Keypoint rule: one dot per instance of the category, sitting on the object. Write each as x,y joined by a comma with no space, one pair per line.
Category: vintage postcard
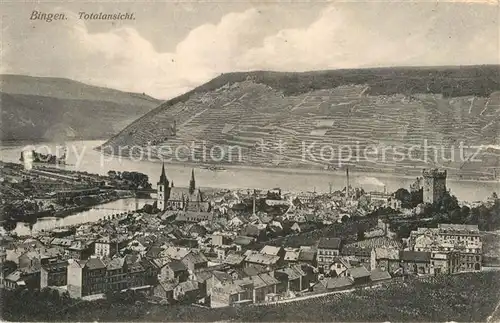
292,161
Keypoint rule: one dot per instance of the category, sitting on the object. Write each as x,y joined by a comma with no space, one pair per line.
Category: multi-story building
453,247
328,250
105,247
434,185
95,276
54,274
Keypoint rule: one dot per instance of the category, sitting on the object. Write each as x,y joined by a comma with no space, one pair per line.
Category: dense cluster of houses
169,272
217,255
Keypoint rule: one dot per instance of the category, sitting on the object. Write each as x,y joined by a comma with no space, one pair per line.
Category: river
94,214
81,156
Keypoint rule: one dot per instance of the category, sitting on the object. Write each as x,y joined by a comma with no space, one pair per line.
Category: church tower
162,190
192,183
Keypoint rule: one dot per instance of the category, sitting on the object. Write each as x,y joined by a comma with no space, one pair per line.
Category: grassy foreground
467,297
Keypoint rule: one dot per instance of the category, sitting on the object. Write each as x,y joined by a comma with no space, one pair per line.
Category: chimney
347,184
254,202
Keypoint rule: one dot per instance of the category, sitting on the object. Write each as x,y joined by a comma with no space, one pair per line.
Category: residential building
385,259
105,247
359,275
328,249
95,276
263,261
415,262
195,260
174,271
54,274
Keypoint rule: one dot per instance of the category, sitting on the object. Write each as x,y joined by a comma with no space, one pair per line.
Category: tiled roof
378,274
416,256
234,259
359,272
259,258
292,255
188,286
338,282
270,250
177,265
329,243
307,255
376,242
195,257
95,263
115,263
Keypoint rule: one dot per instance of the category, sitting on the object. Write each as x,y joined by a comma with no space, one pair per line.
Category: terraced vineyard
375,122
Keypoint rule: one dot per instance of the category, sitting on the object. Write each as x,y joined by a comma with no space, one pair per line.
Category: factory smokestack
347,184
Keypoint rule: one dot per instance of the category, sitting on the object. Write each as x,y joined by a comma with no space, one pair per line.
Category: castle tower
434,185
162,190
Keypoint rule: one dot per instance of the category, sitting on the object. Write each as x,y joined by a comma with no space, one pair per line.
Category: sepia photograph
250,161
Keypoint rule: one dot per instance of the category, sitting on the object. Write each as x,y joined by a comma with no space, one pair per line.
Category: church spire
192,183
163,176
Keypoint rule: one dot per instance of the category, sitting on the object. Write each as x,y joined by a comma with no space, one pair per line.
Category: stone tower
434,185
162,190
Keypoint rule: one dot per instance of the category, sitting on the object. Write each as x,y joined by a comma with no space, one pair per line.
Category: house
23,278
86,277
174,270
80,250
194,217
328,249
273,251
291,279
243,241
415,262
361,253
164,290
188,290
307,256
339,266
386,259
62,242
195,260
234,259
291,256
359,275
263,285
29,259
260,260
54,274
116,269
333,284
230,293
378,275
221,240
105,247
174,252
257,231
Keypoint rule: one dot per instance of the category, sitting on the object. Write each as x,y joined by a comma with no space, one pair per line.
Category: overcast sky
172,47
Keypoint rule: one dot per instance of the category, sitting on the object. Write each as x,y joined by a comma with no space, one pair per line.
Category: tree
404,196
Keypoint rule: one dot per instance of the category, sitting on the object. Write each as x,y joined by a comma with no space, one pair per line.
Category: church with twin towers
174,198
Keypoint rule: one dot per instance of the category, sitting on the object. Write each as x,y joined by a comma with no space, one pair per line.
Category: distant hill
46,108
359,108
